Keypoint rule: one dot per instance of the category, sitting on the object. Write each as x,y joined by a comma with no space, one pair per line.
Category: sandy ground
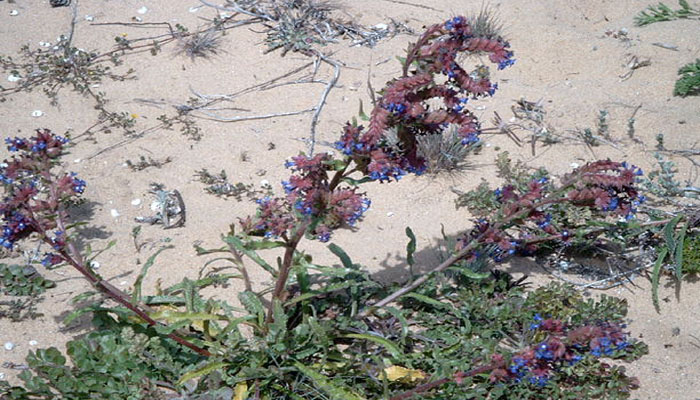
563,57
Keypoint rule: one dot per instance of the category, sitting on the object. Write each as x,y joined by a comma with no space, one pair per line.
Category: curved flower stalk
36,203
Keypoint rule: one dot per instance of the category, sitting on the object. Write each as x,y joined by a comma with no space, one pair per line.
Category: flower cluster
33,194
562,346
310,198
405,105
530,215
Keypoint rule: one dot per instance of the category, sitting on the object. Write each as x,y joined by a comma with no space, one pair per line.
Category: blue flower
493,88
78,185
540,381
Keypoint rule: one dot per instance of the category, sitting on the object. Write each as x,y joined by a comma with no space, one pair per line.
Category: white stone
142,10
89,18
37,113
390,214
33,342
77,160
9,346
573,165
381,27
14,13
14,78
136,202
114,213
264,183
2,375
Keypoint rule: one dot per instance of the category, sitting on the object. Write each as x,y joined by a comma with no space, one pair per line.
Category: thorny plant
546,355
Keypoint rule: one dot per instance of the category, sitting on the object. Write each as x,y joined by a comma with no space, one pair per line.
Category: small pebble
136,202
194,9
37,113
94,264
390,214
138,19
89,18
142,10
45,44
381,27
2,375
9,346
123,283
573,165
14,13
77,160
480,108
33,342
14,78
264,183
114,213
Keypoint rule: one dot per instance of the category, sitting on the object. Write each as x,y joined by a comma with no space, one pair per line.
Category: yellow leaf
398,373
240,391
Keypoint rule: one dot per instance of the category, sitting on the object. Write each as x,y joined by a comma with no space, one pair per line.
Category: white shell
14,78
136,202
89,18
14,12
114,213
142,10
390,214
33,342
37,113
194,9
94,264
574,165
264,183
9,346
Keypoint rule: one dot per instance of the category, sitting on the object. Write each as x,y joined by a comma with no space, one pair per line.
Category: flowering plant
320,335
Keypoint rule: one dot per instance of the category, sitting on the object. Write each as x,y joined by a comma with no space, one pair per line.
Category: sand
564,57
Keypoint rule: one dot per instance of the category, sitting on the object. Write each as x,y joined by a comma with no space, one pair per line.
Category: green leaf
173,316
680,244
362,114
238,244
410,247
427,300
204,370
341,254
252,304
656,272
669,230
335,391
387,344
279,326
136,296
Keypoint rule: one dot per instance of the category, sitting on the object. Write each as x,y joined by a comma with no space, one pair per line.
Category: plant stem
72,256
